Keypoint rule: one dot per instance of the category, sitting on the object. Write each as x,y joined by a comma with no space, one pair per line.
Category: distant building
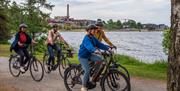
151,26
77,23
163,26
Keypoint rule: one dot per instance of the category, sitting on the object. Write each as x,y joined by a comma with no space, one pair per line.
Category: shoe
83,89
48,67
53,67
91,85
22,69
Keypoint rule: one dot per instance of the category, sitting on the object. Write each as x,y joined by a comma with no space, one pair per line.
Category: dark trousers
51,53
23,53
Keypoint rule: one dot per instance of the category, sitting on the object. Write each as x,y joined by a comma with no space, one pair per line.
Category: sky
144,11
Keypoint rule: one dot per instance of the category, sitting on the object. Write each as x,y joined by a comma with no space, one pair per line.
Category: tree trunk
173,74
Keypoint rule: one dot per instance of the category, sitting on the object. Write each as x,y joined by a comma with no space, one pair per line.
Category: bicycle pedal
23,72
53,68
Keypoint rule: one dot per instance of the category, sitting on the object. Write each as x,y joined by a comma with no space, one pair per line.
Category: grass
155,70
4,50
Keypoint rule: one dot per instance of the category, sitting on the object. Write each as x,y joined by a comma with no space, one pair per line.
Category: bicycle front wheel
14,66
124,70
73,78
36,70
115,81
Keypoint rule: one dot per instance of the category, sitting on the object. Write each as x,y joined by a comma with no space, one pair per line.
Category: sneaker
91,85
48,67
22,69
83,89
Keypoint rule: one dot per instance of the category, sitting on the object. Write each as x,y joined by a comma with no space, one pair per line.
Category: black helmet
55,26
91,26
23,25
99,23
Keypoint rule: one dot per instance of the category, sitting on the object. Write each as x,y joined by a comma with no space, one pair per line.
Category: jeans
51,53
23,53
85,65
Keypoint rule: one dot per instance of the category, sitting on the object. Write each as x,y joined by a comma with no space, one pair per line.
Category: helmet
99,23
91,27
55,26
23,25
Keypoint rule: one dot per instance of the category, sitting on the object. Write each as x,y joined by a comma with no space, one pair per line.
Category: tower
67,11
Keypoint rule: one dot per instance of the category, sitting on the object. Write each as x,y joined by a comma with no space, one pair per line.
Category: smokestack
68,11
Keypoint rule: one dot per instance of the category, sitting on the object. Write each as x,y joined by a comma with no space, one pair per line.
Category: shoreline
114,30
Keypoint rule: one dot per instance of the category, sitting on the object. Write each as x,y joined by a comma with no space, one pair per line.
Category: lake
145,46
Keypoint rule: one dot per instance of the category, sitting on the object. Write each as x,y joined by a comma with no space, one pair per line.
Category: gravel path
53,82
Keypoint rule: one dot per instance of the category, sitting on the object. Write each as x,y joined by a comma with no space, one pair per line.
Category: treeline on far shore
112,25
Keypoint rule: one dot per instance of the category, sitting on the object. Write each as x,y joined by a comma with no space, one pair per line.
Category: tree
34,17
131,23
173,74
16,16
139,25
119,24
4,26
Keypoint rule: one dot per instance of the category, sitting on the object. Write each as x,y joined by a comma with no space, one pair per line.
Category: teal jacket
14,45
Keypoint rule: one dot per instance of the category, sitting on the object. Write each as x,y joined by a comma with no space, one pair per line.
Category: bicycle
35,66
109,74
62,62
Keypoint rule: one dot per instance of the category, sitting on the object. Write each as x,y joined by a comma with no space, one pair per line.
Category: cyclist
20,45
87,49
53,36
100,35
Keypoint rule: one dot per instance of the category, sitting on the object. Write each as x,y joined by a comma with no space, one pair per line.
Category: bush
41,46
166,40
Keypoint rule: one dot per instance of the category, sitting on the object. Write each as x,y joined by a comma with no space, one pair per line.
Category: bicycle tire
36,66
63,66
74,79
114,88
125,70
45,60
14,62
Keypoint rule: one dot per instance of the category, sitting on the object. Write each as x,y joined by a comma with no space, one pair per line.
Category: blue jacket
89,45
14,45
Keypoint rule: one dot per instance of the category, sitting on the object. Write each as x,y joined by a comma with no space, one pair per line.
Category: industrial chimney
68,12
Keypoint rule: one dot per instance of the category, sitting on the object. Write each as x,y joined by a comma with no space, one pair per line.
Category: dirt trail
53,82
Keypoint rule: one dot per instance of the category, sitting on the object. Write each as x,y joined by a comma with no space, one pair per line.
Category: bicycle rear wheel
36,70
73,78
64,64
14,66
45,61
115,81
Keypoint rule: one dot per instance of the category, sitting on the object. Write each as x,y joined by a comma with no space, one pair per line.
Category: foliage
4,25
110,24
166,40
41,46
29,12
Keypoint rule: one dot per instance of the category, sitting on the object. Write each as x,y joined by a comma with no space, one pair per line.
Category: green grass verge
4,50
155,70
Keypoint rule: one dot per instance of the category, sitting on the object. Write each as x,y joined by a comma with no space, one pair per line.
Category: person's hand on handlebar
113,47
111,50
97,52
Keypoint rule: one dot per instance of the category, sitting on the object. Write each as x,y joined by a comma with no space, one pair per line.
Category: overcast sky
145,11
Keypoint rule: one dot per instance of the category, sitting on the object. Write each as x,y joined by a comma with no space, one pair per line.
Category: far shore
120,30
